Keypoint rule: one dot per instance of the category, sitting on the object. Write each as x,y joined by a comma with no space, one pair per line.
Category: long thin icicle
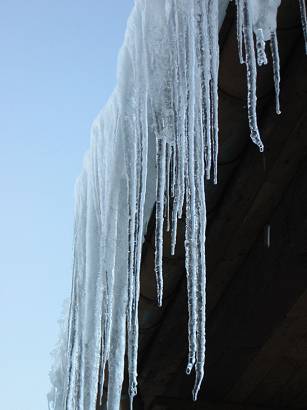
190,239
161,164
276,69
213,17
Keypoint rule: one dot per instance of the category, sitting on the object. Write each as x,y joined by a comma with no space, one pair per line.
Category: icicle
140,165
118,331
209,75
201,278
109,228
250,61
72,382
168,185
190,238
179,116
174,168
240,29
304,21
142,161
207,69
214,67
161,158
182,119
276,68
260,44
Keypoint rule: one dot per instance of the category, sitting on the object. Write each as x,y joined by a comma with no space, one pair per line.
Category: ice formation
155,142
58,372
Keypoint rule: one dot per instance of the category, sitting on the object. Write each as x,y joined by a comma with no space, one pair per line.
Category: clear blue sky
57,68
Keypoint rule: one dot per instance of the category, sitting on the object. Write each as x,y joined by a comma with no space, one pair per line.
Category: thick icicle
190,239
116,353
142,177
139,165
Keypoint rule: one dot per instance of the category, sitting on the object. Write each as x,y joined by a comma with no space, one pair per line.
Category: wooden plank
284,342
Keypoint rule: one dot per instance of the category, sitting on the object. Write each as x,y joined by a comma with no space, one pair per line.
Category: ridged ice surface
155,142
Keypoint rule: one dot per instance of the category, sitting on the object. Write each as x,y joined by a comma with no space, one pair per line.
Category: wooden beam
288,342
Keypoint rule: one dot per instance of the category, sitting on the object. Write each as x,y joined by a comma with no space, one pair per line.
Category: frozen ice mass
152,147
